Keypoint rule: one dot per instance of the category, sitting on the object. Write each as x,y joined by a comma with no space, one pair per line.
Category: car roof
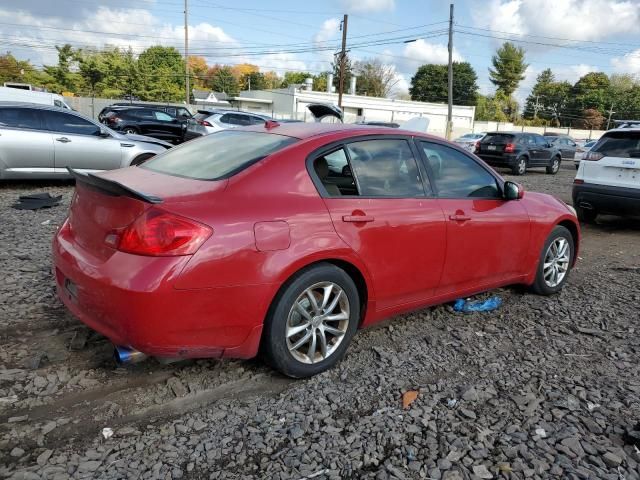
512,133
39,106
304,130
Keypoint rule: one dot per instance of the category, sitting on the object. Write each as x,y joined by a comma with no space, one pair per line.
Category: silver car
210,121
38,141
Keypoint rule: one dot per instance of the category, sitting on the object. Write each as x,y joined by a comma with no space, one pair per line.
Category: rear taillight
204,123
476,149
113,119
578,181
592,156
509,148
159,233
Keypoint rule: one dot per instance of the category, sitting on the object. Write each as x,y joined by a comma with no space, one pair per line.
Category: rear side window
20,118
163,117
385,168
458,176
619,144
219,155
499,138
142,114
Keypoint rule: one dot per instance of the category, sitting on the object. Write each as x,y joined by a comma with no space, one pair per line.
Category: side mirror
104,133
513,191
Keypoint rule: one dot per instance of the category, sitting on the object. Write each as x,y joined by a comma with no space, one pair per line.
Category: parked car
306,255
469,141
17,95
582,151
519,151
567,145
37,141
181,113
375,123
207,121
608,178
146,121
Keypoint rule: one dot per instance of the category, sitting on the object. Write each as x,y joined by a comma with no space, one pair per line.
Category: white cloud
329,30
572,73
628,63
526,85
574,19
368,6
421,52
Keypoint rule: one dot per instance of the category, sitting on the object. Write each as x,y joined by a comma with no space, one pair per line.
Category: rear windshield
219,155
201,116
497,138
619,144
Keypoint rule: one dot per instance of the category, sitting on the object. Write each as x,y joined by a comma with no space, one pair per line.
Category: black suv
179,112
565,143
519,151
146,121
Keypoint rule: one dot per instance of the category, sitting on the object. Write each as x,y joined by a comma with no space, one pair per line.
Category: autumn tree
374,78
198,70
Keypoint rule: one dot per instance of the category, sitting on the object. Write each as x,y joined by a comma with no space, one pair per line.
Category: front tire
131,131
555,166
311,322
520,168
555,262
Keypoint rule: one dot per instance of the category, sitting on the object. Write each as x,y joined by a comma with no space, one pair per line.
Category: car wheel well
141,158
573,230
347,267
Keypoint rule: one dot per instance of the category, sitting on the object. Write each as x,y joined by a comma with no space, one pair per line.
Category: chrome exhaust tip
127,355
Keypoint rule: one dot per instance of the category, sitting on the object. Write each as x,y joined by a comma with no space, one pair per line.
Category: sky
572,37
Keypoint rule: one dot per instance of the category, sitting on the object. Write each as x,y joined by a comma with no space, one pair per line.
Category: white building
291,103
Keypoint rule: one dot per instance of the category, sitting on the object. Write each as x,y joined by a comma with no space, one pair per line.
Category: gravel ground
545,387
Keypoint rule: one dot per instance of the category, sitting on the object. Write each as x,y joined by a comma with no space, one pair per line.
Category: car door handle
357,218
63,140
459,218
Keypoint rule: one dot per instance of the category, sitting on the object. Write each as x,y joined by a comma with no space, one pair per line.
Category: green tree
253,81
295,78
374,78
320,82
508,68
222,79
548,99
592,91
495,108
63,78
162,71
348,72
14,70
430,84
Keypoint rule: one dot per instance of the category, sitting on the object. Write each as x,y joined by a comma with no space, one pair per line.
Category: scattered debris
79,339
541,432
35,201
592,406
107,433
452,402
481,471
408,398
467,306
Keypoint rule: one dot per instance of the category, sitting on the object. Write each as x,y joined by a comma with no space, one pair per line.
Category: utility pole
187,90
343,56
611,112
450,95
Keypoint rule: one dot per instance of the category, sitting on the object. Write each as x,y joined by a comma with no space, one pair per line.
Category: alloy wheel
129,131
522,166
556,262
555,166
317,322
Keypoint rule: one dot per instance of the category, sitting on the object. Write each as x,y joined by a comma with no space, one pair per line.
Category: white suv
209,121
608,178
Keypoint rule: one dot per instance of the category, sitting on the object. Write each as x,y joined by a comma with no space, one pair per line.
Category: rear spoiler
112,187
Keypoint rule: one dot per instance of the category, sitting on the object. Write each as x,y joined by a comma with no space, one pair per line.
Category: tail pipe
127,355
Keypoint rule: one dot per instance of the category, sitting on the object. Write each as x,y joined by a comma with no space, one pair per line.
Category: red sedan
286,239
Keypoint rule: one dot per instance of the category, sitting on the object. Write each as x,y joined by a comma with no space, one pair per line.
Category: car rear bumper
499,160
607,199
132,301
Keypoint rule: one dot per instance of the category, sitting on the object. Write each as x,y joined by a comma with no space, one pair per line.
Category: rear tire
555,263
555,165
295,326
586,215
520,168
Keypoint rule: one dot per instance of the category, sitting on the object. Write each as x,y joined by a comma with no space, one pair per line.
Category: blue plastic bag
464,306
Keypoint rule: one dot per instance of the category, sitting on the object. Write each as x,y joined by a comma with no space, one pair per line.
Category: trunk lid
110,201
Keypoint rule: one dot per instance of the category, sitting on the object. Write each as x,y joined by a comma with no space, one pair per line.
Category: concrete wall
578,134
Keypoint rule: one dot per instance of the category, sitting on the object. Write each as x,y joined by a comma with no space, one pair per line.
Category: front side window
71,124
385,168
219,155
541,141
456,175
20,118
171,111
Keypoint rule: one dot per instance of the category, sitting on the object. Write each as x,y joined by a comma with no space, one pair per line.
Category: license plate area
491,147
